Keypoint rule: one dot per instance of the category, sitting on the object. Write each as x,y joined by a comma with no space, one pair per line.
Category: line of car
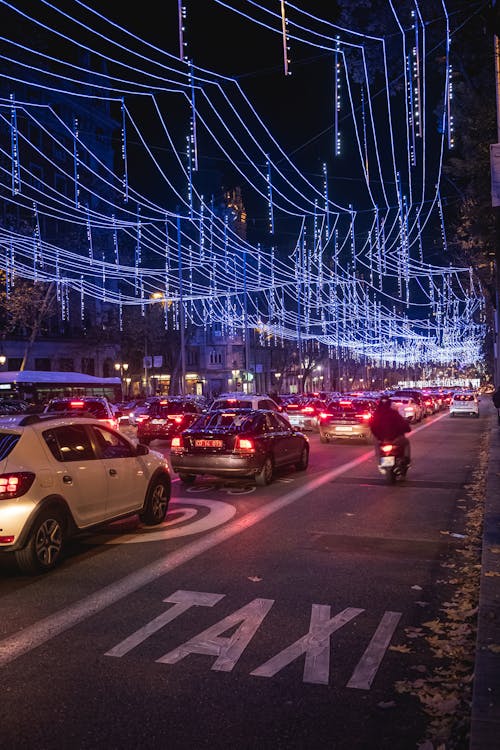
70,468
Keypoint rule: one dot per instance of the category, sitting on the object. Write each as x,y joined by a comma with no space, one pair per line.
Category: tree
27,310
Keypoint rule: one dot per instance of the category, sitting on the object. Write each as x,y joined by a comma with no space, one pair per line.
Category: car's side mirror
141,449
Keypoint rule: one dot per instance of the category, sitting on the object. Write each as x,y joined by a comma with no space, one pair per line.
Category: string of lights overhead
351,269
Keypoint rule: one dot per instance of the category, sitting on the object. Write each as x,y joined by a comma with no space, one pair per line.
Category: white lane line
34,635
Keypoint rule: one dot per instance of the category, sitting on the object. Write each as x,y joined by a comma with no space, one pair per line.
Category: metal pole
497,243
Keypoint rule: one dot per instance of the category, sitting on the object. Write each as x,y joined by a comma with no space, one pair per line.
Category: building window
88,365
66,365
14,363
215,357
192,357
43,363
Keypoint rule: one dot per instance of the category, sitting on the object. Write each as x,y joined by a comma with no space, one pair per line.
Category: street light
121,368
3,359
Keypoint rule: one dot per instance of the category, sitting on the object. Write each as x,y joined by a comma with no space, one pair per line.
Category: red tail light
77,404
15,484
387,448
244,445
325,415
308,410
177,443
365,416
176,417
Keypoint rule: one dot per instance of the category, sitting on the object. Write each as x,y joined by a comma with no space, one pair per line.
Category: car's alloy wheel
45,543
156,505
265,475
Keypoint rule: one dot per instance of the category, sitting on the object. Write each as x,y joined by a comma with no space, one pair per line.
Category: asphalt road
290,616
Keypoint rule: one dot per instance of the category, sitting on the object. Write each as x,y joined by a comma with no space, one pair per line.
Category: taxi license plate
208,443
387,460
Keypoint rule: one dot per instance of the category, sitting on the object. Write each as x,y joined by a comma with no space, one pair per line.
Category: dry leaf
401,649
492,574
255,579
495,550
494,648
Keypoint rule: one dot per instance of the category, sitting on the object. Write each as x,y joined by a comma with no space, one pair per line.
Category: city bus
38,386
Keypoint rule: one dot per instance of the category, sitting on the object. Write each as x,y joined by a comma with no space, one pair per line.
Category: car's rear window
173,407
231,403
226,420
8,441
95,408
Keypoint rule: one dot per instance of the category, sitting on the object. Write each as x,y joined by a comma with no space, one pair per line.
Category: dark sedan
240,443
166,418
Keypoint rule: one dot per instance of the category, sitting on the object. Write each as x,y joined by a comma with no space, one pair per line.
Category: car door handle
113,472
67,479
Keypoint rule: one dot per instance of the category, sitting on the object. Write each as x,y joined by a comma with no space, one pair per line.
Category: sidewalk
485,715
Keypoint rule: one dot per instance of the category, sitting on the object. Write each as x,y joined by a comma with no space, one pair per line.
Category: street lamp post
121,368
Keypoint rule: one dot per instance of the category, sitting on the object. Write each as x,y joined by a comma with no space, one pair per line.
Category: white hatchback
61,475
464,404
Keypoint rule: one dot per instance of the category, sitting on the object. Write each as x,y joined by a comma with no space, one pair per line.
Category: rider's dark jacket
388,424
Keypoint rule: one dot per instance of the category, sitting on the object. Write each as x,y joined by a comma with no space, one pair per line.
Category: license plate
208,443
343,428
387,460
293,419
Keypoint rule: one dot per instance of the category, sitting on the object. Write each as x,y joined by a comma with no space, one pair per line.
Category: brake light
77,404
176,417
244,445
387,448
15,484
365,416
308,409
325,414
177,443
142,417
345,403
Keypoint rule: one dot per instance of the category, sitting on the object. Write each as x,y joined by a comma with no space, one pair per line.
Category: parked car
241,443
464,404
61,475
347,418
166,418
93,406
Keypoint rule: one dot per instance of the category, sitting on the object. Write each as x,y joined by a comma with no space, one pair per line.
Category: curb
485,710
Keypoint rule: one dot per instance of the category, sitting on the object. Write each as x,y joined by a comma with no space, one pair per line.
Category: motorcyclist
387,425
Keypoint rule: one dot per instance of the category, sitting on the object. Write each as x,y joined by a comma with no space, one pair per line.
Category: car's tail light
364,416
15,484
111,422
292,407
142,417
244,445
325,415
177,444
308,410
77,404
176,418
345,403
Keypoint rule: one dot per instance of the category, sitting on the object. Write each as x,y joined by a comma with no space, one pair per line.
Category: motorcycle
392,462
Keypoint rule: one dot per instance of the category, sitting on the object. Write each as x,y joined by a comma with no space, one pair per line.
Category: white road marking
366,669
40,632
219,513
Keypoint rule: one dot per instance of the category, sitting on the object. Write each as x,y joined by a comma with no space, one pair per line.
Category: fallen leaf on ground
494,648
491,573
255,579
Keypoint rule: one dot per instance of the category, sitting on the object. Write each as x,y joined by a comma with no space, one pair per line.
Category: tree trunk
37,324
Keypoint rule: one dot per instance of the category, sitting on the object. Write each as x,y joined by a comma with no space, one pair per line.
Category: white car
61,475
407,407
464,404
